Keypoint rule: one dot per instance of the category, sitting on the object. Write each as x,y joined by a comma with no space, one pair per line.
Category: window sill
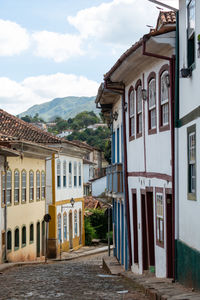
131,138
164,128
16,203
152,131
9,204
31,242
23,245
31,201
23,202
16,248
160,244
37,200
191,197
138,135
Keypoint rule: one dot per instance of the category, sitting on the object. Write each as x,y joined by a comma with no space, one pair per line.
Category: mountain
65,108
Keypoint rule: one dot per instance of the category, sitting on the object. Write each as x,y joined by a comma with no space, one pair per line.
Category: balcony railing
114,175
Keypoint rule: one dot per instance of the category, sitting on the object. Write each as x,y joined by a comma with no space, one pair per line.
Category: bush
99,221
89,232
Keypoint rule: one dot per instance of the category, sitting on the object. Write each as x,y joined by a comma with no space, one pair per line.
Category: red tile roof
166,18
11,126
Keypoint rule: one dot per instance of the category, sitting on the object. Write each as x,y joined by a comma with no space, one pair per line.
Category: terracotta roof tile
11,126
166,18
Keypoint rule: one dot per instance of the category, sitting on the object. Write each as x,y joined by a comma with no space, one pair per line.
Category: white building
65,133
187,141
145,76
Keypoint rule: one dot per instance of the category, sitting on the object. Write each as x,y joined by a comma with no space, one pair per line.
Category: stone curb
154,288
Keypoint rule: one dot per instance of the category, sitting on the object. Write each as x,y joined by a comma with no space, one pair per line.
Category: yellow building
23,196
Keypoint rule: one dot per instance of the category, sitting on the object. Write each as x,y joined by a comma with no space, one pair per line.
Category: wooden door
144,233
80,227
169,216
135,228
150,229
70,231
43,238
38,240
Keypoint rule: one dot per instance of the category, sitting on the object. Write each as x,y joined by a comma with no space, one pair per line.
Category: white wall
98,186
117,107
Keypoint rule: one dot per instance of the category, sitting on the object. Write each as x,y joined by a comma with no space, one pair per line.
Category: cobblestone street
79,279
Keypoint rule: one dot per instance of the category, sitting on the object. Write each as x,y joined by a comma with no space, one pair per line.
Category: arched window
38,185
9,240
31,186
43,183
23,186
23,236
131,113
16,238
164,98
64,174
16,186
9,187
75,173
139,108
79,173
65,226
70,174
75,223
31,233
59,227
58,173
152,103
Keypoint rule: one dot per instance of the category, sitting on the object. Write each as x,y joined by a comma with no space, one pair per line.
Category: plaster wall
63,193
23,214
189,87
98,186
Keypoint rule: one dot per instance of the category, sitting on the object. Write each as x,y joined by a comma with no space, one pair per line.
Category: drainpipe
172,87
127,210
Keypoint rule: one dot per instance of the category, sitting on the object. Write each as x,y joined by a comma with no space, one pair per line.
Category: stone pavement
155,288
78,279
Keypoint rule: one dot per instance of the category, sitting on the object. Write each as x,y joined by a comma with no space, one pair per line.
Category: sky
60,48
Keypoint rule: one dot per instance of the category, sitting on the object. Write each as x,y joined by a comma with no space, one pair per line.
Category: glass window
58,173
75,223
23,235
132,114
17,238
70,174
160,218
9,240
164,96
38,185
16,186
191,31
152,103
3,188
139,109
79,174
75,173
31,233
31,186
65,226
59,227
64,174
24,186
43,184
9,187
192,161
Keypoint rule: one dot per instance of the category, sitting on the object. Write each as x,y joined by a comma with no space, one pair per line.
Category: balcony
114,175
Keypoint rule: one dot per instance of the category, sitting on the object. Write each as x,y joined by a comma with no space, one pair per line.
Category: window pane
191,17
139,99
165,114
132,104
152,93
164,88
132,121
153,118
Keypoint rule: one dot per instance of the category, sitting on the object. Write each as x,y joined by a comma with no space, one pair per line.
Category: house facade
187,141
144,76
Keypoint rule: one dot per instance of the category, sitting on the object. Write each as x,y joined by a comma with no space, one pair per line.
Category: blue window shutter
118,145
113,148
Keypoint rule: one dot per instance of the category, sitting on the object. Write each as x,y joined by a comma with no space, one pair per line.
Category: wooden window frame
65,226
191,195
31,187
70,174
43,185
24,243
191,53
9,189
3,189
59,233
31,236
152,76
38,188
9,248
79,174
64,174
131,137
16,247
75,223
58,172
138,134
164,68
23,188
75,174
16,188
160,243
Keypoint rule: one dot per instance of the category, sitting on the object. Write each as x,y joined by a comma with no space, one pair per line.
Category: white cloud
17,97
118,22
57,46
13,38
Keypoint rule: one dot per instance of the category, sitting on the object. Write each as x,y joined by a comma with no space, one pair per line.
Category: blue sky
58,48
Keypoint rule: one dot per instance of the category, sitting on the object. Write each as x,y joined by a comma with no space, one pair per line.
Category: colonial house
54,176
187,145
109,100
23,194
141,85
